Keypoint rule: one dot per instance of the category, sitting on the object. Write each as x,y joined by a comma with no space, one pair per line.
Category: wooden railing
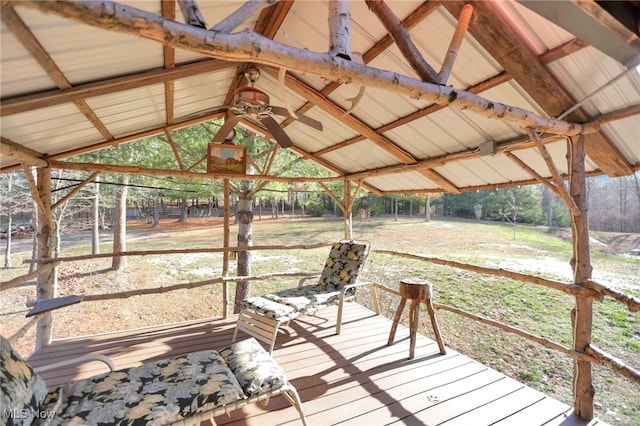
592,290
595,291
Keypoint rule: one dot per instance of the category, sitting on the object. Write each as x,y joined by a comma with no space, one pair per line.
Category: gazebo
390,97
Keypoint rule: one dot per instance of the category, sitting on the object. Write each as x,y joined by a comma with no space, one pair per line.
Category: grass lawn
535,309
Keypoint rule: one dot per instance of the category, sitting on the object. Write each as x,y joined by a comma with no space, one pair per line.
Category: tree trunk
395,209
582,314
244,217
546,205
44,286
36,226
120,225
9,201
156,209
427,208
184,216
95,236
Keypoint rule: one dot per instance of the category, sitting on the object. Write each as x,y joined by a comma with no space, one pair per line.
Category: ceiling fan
253,103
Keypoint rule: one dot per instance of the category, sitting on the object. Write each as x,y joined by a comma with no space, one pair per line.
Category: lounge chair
186,389
261,316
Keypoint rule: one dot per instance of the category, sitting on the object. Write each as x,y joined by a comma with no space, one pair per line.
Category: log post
582,314
340,28
45,237
348,209
225,244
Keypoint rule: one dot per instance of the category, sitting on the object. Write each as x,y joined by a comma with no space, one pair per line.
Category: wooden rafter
12,20
109,86
249,46
266,25
417,16
515,56
137,170
334,110
403,40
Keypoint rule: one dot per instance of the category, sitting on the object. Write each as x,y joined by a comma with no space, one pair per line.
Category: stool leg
396,320
436,329
414,316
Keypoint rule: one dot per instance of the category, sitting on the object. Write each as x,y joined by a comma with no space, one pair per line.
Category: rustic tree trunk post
120,225
244,216
340,28
225,254
95,235
348,208
44,286
9,201
582,314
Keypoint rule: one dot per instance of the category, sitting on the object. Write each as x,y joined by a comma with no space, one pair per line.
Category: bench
186,389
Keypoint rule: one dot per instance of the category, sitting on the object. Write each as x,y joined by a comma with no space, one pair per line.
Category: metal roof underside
69,87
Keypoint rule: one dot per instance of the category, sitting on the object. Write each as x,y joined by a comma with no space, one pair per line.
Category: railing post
45,236
582,314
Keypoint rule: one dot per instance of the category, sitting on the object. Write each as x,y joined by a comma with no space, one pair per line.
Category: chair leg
291,394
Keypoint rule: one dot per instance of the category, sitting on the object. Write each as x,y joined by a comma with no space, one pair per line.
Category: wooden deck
351,379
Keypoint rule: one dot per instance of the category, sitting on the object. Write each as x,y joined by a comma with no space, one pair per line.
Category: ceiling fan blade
301,118
226,128
275,129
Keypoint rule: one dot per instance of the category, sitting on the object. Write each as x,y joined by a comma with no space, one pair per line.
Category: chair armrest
303,279
344,289
78,360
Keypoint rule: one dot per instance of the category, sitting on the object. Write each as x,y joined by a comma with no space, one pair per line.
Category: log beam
403,40
456,42
23,154
247,46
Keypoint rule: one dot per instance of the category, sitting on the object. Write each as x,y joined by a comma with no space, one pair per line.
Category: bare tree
120,224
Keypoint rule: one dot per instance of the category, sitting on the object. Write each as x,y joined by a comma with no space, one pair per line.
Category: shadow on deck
351,379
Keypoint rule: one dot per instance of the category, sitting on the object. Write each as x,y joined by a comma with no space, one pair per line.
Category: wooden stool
417,290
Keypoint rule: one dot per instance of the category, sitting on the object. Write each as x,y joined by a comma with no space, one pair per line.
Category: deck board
349,379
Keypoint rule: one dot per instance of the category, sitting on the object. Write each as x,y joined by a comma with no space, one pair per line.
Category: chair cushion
344,264
269,308
305,299
153,393
254,368
22,390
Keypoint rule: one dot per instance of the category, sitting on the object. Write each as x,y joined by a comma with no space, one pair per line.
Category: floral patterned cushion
307,298
254,368
21,389
344,264
269,308
343,267
153,393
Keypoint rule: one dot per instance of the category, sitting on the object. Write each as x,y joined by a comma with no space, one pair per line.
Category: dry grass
536,310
